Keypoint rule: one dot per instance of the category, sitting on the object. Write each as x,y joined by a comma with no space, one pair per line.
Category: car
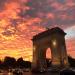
67,71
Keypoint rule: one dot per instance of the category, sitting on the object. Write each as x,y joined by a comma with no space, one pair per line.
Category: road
30,73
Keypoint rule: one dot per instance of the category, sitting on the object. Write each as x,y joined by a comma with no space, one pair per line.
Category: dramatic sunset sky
20,20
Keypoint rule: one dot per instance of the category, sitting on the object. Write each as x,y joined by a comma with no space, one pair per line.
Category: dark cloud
61,9
64,15
2,4
36,6
8,33
61,1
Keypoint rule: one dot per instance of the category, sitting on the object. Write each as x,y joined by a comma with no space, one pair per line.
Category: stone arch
55,40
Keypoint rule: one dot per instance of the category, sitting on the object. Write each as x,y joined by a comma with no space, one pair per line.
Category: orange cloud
70,47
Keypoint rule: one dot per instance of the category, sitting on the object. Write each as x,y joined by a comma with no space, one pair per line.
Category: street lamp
54,43
34,48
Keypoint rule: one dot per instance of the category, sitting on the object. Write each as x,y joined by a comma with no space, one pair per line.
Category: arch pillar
39,58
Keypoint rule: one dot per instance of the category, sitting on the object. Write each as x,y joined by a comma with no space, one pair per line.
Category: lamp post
54,43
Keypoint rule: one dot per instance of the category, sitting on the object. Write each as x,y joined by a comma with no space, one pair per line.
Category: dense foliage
10,62
71,61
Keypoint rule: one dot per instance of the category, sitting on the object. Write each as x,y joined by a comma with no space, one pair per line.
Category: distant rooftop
49,32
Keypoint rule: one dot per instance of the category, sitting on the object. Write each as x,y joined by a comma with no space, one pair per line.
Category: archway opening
48,57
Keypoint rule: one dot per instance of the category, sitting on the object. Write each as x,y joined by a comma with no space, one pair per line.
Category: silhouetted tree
23,64
1,64
20,62
9,62
27,64
71,61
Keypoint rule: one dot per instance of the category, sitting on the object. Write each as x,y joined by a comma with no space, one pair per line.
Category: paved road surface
29,73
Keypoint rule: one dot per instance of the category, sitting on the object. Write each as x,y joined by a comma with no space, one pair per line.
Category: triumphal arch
55,40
